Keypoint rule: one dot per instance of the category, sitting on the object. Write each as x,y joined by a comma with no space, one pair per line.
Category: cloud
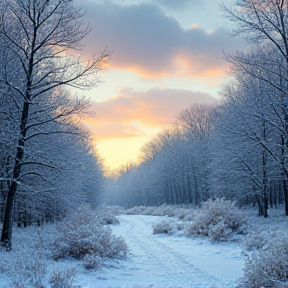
147,41
171,4
113,130
177,4
128,113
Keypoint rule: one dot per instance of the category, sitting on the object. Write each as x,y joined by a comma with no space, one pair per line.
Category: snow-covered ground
166,261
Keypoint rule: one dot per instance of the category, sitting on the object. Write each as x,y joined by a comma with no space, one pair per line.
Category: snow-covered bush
62,278
190,216
106,218
164,227
29,268
136,210
268,267
181,226
82,234
163,210
26,264
92,262
259,236
107,214
217,219
185,214
150,210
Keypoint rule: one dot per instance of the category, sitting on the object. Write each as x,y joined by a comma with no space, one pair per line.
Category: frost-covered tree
250,133
198,123
77,179
264,24
39,38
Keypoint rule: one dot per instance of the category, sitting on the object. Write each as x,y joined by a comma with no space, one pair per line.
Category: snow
166,261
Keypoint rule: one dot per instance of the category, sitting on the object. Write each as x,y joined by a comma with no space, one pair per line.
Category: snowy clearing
166,261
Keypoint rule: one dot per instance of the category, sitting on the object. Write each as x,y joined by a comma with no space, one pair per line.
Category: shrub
259,237
150,210
218,219
62,278
185,214
92,262
30,269
136,210
106,218
82,234
164,210
181,226
190,216
26,264
269,265
107,215
164,227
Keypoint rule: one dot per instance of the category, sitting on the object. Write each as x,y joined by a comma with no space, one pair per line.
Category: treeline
47,163
236,149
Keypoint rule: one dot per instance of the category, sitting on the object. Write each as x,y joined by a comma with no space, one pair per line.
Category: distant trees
37,42
175,164
198,123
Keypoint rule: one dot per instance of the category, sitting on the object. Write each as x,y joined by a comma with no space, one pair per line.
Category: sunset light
119,151
163,61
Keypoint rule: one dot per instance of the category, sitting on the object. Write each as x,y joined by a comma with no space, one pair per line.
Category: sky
167,55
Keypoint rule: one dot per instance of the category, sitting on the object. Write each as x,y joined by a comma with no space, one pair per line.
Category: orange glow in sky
166,58
119,151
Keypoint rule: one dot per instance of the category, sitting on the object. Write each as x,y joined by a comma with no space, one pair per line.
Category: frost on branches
83,237
219,220
267,266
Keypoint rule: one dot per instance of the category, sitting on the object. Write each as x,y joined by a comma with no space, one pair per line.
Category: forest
231,154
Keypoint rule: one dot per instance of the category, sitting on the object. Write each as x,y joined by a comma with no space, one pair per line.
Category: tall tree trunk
6,237
284,171
8,218
264,173
285,188
260,206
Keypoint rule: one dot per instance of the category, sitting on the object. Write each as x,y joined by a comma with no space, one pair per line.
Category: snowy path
166,261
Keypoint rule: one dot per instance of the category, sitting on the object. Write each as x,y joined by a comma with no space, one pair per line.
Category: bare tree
39,38
261,21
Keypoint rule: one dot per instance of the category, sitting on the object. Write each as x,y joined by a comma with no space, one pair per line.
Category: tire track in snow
172,266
